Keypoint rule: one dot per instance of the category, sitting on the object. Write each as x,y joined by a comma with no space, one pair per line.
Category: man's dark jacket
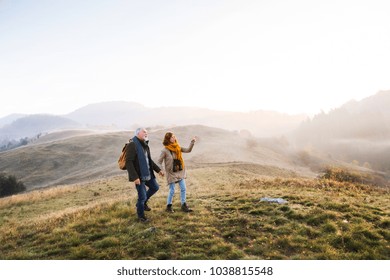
132,163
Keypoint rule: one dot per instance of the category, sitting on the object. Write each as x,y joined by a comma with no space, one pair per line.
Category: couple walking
141,168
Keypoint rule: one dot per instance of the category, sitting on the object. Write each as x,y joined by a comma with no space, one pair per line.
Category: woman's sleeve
189,149
161,159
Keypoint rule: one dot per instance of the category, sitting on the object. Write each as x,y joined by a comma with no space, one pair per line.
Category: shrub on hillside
344,175
9,185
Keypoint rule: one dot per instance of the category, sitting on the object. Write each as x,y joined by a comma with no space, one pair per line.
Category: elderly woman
175,168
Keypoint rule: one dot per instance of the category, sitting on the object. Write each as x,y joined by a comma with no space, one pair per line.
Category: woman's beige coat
167,157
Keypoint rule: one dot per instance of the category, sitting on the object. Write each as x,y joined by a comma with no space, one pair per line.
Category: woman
171,152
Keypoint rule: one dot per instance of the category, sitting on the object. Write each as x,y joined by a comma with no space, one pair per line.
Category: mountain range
367,119
119,115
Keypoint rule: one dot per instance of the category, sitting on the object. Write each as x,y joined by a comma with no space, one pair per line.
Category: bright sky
288,56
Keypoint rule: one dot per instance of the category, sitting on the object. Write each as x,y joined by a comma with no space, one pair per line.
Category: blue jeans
171,193
143,195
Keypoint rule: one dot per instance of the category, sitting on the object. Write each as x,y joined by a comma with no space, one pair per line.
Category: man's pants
143,195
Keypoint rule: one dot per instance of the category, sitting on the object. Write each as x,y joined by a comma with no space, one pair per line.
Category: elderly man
140,168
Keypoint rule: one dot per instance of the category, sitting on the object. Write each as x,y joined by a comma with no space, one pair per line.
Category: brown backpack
122,158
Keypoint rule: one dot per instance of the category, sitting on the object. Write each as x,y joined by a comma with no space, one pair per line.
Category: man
140,168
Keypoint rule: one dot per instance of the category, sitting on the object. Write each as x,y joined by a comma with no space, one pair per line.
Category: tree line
13,144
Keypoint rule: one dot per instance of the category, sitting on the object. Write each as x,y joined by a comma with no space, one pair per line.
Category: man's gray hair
137,131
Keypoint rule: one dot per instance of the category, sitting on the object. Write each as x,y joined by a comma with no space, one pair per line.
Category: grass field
322,219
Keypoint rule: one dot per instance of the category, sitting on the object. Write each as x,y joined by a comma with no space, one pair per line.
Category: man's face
143,134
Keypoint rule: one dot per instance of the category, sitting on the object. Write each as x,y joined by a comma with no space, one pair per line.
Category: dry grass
323,219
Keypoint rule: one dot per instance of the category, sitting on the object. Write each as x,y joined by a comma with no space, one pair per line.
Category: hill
130,115
120,115
357,132
31,125
76,156
322,219
10,118
115,114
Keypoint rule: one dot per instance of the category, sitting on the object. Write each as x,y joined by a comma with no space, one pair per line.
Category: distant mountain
368,119
20,130
378,103
358,131
115,114
120,115
29,126
128,115
10,118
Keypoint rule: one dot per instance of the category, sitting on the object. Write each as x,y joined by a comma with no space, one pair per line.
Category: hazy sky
289,56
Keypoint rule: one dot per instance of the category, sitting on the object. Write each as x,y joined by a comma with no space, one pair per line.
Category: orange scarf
175,147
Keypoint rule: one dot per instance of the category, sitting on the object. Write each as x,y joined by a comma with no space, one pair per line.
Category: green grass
323,219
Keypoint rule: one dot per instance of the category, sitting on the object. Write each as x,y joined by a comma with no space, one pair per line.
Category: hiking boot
143,219
169,208
146,207
185,208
